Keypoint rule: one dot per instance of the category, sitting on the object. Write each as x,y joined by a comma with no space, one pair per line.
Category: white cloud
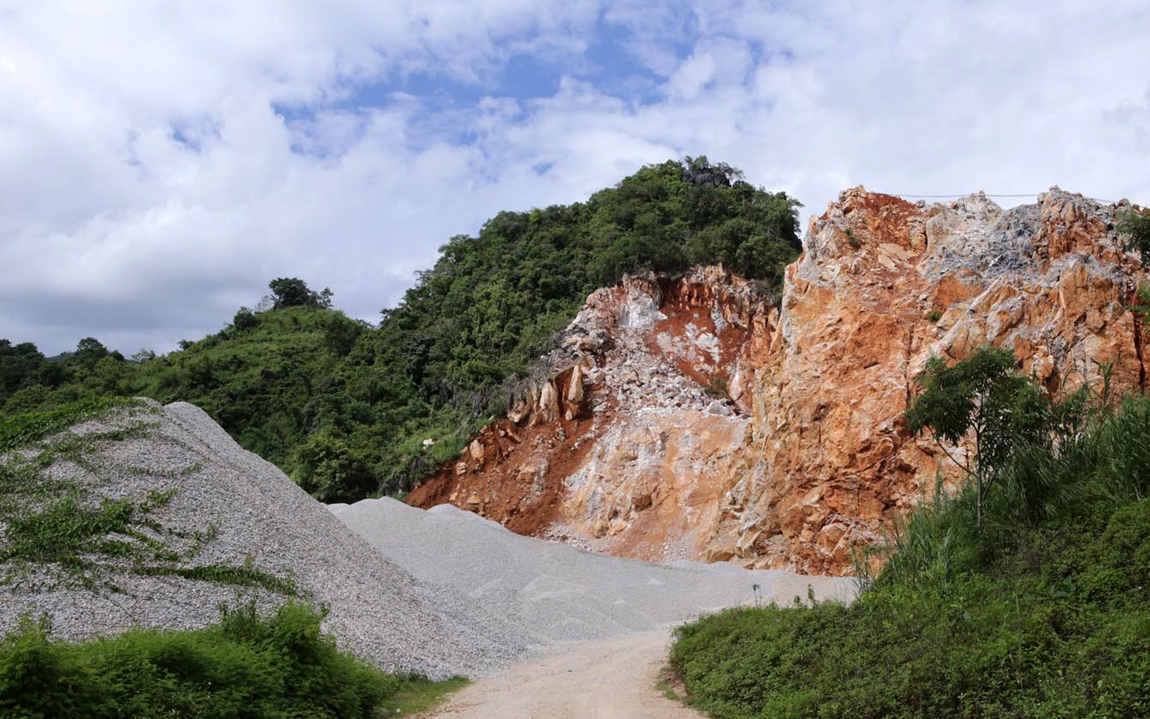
160,163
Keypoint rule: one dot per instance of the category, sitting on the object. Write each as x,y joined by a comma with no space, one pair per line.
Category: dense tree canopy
294,292
345,407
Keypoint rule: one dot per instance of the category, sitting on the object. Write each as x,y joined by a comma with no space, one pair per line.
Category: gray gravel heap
378,610
556,591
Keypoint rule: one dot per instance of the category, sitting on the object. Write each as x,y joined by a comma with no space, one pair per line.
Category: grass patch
66,531
276,666
670,685
22,430
415,694
245,576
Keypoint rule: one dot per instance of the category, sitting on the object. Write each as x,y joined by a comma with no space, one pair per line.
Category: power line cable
967,194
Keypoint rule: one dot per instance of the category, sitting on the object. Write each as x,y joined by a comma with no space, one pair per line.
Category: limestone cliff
684,418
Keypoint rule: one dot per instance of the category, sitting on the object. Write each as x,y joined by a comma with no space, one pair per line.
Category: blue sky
160,162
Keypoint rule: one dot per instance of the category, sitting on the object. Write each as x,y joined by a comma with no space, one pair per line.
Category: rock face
647,406
686,419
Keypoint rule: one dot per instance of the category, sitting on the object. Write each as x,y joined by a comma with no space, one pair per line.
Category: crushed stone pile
556,591
377,609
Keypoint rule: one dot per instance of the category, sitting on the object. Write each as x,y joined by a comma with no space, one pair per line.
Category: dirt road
610,679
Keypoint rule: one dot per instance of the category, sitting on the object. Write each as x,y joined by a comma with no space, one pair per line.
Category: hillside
350,410
681,413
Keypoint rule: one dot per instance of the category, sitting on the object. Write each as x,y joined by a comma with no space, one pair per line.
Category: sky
161,161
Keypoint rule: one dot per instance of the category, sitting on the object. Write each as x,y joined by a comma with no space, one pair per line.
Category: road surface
607,679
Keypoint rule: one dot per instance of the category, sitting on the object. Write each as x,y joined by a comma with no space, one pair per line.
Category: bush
249,665
1135,227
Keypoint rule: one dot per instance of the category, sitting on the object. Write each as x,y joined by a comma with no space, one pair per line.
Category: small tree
986,397
294,292
1135,226
245,319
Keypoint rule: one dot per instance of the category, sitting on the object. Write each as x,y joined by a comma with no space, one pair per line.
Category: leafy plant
275,666
717,388
986,397
1135,228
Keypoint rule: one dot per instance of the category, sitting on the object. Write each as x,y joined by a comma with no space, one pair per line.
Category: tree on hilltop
294,292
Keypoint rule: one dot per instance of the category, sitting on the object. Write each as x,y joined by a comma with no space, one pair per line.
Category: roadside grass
415,694
670,685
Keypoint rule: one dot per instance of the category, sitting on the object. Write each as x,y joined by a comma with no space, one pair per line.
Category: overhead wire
987,194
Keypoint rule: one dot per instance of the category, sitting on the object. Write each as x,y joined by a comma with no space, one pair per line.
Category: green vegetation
985,398
1026,597
61,532
416,694
1135,226
344,407
249,665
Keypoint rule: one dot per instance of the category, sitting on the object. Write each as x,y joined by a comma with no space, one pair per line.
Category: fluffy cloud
162,162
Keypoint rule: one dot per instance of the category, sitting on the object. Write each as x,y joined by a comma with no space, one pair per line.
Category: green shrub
249,665
1135,229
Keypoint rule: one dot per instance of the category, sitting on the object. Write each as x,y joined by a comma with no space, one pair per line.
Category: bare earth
603,679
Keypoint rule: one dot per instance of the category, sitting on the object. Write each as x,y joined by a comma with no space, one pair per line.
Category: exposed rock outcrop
647,406
687,419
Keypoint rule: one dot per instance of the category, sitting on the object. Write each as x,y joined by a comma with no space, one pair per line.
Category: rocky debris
708,425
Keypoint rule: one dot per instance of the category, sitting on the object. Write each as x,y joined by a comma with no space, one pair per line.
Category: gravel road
602,679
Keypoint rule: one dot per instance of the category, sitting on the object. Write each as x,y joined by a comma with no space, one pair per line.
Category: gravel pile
440,592
378,610
556,591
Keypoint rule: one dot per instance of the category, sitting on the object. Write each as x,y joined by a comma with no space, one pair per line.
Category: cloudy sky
162,160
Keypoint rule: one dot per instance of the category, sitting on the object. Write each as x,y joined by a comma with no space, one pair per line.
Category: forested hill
345,407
